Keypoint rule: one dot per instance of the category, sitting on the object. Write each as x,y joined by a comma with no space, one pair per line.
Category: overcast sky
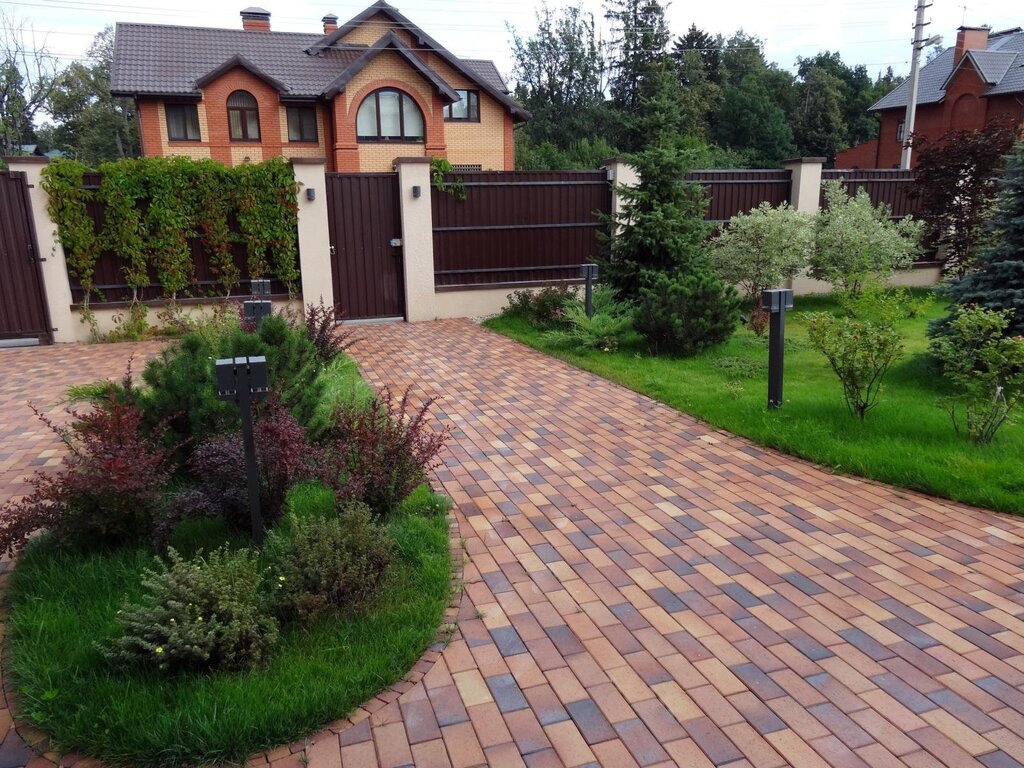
872,32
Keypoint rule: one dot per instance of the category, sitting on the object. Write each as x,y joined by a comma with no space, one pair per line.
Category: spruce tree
659,255
998,281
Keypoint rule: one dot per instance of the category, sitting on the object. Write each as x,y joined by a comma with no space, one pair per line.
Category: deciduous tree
957,183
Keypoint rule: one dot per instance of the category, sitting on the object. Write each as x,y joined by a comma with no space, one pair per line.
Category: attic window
389,115
466,109
243,116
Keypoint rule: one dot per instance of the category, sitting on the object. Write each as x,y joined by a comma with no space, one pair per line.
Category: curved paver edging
18,736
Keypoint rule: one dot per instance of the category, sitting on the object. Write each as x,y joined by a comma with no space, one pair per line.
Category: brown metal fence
108,276
731,192
518,227
893,187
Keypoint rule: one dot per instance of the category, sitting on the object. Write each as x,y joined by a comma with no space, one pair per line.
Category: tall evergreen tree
699,48
659,255
639,47
998,281
819,127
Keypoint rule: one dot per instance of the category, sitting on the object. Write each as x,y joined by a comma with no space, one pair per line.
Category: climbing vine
439,168
68,200
154,207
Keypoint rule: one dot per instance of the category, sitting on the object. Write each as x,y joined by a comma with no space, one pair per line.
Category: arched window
389,115
243,117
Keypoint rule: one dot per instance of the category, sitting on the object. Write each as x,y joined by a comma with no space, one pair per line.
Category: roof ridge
215,29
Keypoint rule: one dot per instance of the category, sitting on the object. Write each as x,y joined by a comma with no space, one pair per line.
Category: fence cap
805,160
26,160
412,160
307,160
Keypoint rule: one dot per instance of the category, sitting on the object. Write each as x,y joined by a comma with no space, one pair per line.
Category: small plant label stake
589,273
243,380
776,302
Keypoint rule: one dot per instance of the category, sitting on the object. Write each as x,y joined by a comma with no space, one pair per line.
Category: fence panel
518,227
108,275
732,192
23,312
893,187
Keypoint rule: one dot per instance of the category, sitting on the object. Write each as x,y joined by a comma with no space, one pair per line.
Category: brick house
359,94
965,87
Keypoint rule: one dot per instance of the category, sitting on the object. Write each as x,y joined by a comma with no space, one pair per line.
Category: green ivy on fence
154,206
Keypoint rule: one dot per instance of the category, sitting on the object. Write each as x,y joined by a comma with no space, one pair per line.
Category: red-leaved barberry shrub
284,457
328,338
109,484
382,452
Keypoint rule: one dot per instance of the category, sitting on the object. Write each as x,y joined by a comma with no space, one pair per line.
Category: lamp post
255,309
243,380
776,302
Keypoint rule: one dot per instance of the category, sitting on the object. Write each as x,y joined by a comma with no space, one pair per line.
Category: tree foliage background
588,95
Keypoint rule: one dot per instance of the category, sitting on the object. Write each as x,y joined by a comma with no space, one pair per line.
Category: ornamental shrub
682,315
856,244
328,339
109,484
325,564
762,249
207,613
610,325
542,309
985,369
860,353
284,457
380,453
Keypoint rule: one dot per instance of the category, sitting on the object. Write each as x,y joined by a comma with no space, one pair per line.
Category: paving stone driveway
642,589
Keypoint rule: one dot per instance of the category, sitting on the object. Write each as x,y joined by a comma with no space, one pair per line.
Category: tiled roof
168,60
1001,65
160,59
992,65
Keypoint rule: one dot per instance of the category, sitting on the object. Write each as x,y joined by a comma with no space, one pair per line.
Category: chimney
256,19
970,39
330,23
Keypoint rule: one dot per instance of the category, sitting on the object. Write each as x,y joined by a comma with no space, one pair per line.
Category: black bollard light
589,273
243,380
255,310
776,302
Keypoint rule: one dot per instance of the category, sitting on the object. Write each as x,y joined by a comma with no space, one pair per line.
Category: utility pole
908,121
919,45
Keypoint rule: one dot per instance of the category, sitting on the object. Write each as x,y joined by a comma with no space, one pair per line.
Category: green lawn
906,440
63,602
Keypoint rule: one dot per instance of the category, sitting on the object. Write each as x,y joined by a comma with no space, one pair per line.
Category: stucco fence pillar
53,264
314,239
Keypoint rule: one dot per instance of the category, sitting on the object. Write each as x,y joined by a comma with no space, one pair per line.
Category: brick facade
487,143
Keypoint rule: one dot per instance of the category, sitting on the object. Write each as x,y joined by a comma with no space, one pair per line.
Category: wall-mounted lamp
416,191
310,194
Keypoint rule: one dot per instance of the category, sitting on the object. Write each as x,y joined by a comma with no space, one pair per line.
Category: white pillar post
417,237
315,260
805,184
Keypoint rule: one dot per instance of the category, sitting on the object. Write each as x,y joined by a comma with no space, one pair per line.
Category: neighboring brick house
965,87
360,94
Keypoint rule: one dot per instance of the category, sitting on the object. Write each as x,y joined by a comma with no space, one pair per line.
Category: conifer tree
659,256
998,281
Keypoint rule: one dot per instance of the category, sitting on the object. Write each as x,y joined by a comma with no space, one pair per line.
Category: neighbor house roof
1001,66
165,60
